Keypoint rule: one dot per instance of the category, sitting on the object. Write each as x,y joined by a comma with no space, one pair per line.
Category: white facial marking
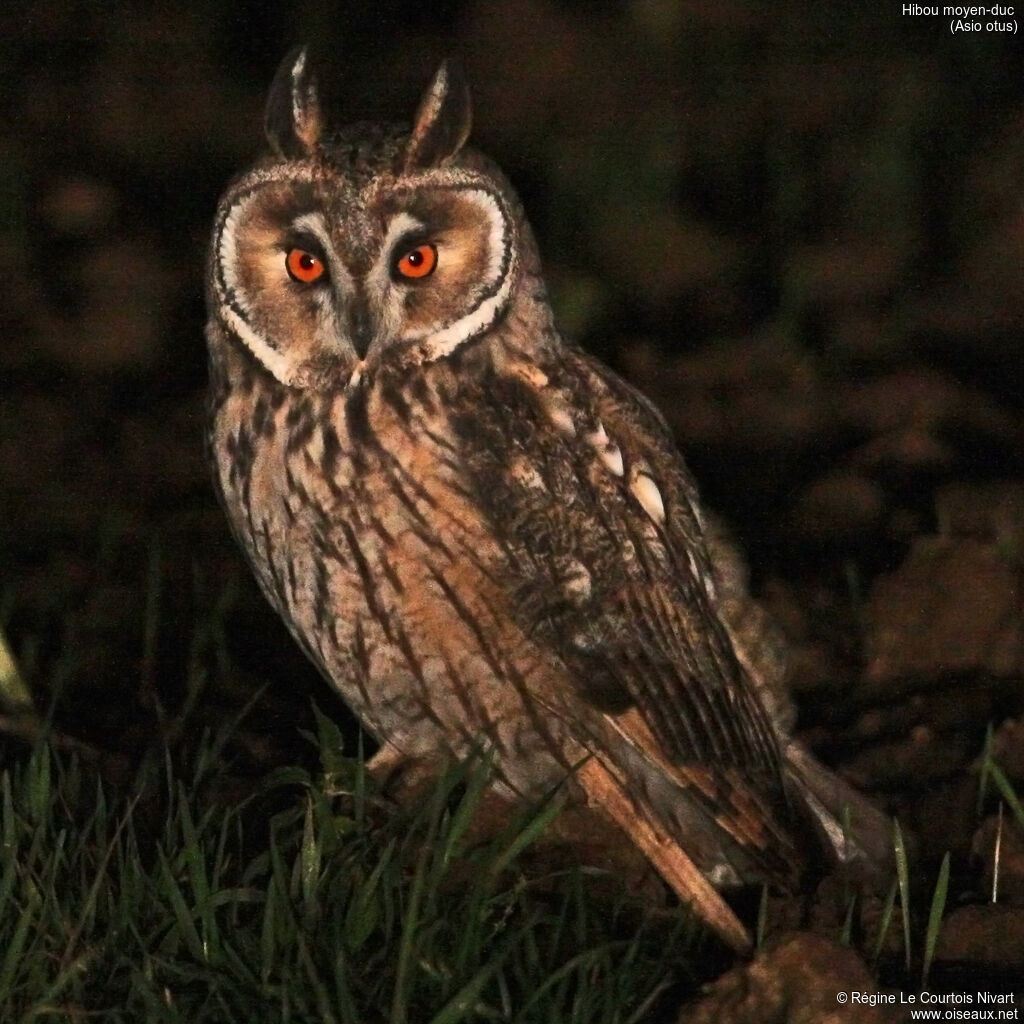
273,359
496,284
388,299
237,304
315,225
401,224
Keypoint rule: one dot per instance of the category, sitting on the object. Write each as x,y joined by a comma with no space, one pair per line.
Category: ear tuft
442,121
293,119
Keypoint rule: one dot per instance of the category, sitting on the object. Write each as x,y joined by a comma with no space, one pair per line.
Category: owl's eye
303,266
418,262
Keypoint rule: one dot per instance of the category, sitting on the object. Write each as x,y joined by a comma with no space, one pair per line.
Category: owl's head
343,251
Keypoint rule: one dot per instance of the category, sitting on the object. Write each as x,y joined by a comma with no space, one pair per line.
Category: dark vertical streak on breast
416,667
500,667
366,577
360,434
332,449
361,676
392,394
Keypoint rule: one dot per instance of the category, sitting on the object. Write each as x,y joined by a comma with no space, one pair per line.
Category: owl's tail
855,832
701,828
605,790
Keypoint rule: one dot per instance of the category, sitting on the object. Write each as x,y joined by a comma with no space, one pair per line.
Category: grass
169,898
295,905
990,774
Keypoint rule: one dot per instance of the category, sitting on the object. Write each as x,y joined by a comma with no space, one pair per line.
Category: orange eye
418,262
303,266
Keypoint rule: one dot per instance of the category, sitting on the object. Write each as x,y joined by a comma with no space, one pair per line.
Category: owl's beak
357,375
360,327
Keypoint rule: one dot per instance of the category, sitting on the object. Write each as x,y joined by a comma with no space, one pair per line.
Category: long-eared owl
482,537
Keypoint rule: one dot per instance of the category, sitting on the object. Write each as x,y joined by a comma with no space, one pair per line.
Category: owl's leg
403,777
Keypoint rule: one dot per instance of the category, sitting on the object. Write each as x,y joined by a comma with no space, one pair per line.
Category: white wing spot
533,375
577,583
608,452
695,571
611,456
561,416
523,473
646,491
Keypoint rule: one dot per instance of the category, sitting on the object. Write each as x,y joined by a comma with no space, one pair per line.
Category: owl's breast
365,534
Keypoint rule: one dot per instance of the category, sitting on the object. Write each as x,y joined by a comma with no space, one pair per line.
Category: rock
849,271
990,934
1008,748
80,206
994,511
796,982
124,291
760,393
836,506
946,710
923,757
920,400
951,608
944,816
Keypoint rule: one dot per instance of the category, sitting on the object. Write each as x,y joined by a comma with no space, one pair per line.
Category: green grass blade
541,816
1006,791
410,934
14,692
884,922
13,955
310,858
363,913
192,851
186,927
935,918
479,777
591,957
268,931
903,879
846,935
39,784
465,1002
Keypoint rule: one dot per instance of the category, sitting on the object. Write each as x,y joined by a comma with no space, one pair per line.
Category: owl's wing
585,489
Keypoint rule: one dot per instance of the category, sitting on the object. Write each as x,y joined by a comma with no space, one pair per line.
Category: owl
480,535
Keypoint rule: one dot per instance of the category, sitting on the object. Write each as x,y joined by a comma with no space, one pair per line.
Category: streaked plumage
481,535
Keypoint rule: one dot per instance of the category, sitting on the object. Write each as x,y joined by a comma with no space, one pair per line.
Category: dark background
798,226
